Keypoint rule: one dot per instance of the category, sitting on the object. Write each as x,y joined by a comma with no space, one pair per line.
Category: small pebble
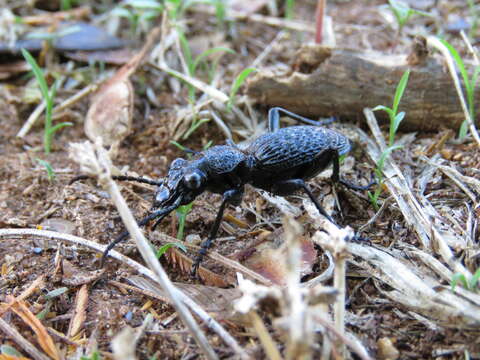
37,250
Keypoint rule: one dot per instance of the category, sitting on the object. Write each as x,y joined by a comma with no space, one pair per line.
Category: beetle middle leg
233,197
274,119
288,187
336,176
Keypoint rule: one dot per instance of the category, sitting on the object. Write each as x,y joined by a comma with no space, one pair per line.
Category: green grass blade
48,168
239,80
57,127
38,74
209,52
187,52
474,280
383,157
389,111
400,90
456,278
394,126
194,127
163,249
460,64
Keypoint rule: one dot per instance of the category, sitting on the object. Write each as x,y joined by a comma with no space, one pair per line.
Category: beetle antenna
121,178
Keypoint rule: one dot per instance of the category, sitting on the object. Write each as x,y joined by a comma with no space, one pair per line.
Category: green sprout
469,284
194,63
48,168
469,83
403,12
395,120
239,80
139,12
379,176
95,355
182,213
49,97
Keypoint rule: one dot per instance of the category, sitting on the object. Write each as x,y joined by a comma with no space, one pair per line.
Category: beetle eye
193,180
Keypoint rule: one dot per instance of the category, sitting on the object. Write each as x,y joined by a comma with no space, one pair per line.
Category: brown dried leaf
210,298
73,276
266,261
79,314
11,357
46,342
110,114
184,263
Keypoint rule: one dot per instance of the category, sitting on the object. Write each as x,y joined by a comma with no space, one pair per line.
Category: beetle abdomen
296,145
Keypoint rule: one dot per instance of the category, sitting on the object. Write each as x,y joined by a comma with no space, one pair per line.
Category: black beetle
279,162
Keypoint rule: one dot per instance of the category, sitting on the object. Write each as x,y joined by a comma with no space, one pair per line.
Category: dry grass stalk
27,346
301,330
267,342
333,239
94,160
415,213
416,287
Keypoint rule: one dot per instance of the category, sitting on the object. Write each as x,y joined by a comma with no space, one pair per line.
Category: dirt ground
374,313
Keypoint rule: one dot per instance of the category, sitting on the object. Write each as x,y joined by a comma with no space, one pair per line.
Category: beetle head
184,182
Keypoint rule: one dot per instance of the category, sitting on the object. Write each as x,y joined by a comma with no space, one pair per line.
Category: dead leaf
266,262
184,263
46,342
73,276
110,114
79,314
210,298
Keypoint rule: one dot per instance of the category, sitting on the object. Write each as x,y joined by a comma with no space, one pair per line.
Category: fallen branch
340,82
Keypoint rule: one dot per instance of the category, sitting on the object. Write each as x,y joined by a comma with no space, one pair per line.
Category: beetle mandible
279,162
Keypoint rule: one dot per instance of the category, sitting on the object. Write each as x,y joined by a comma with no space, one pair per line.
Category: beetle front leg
336,176
229,197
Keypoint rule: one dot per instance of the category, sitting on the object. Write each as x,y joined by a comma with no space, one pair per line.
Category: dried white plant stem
333,239
301,333
413,211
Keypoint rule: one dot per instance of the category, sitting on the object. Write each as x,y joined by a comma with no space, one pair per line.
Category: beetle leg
158,214
229,197
274,119
336,176
288,187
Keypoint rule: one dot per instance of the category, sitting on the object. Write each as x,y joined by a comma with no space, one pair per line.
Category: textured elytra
295,145
221,159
